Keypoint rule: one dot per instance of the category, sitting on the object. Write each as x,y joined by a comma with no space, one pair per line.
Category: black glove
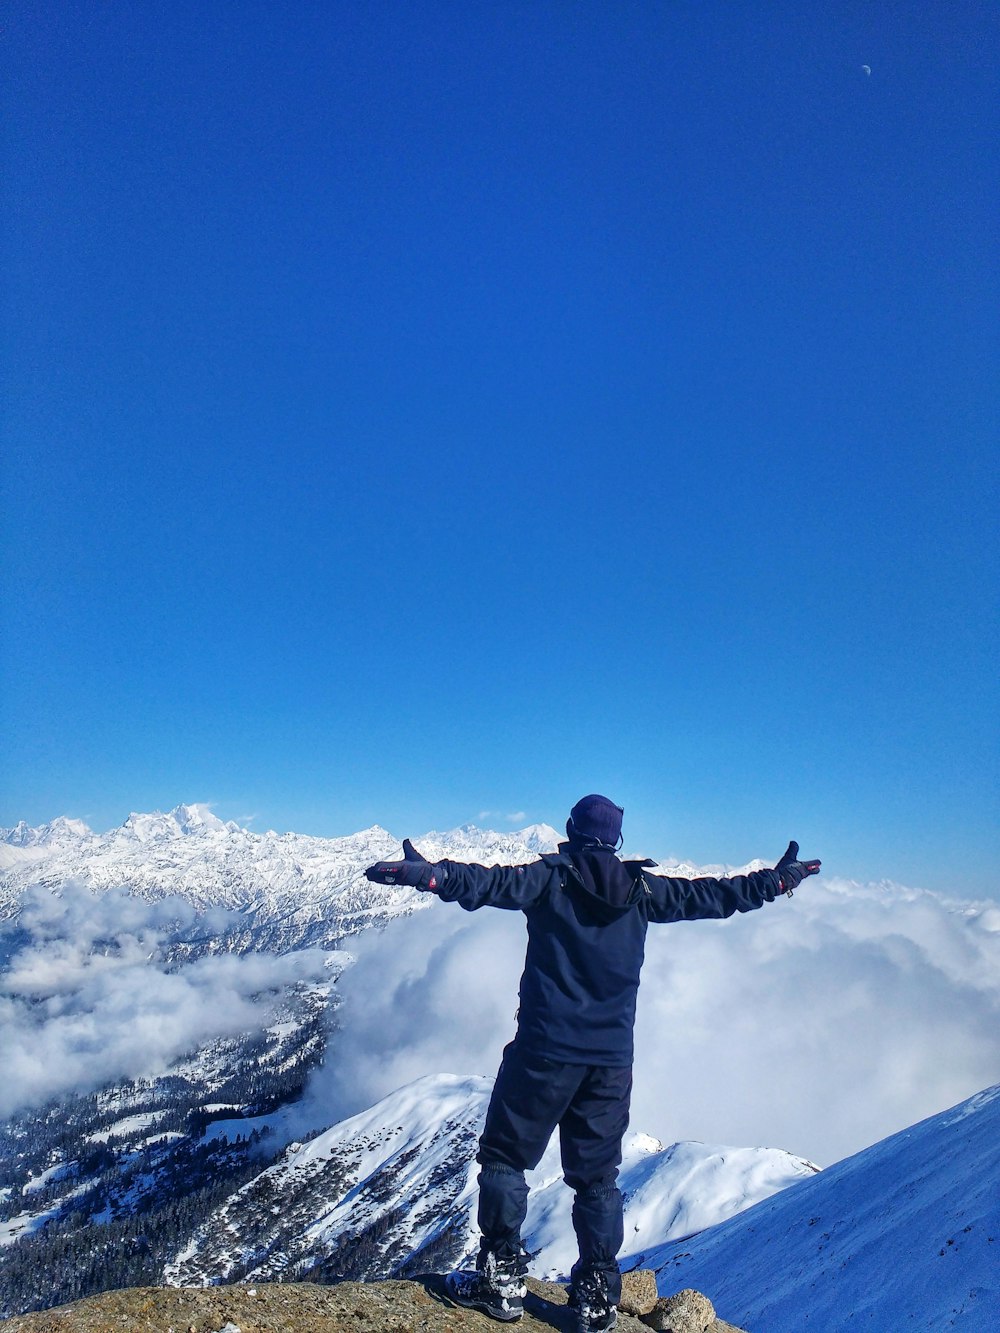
413,870
793,871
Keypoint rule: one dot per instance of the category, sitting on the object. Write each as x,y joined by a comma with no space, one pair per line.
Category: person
570,1062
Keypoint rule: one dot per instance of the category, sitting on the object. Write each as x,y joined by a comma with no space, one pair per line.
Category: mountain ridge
904,1233
328,1205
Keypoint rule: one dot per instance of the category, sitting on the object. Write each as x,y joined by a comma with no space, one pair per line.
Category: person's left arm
671,899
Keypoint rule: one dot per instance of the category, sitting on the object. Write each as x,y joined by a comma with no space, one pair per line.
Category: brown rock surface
639,1294
298,1307
686,1312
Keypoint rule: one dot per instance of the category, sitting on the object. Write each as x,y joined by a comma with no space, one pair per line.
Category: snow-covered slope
291,890
392,1191
903,1235
385,1192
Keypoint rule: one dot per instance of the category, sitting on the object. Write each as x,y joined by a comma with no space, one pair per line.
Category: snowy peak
23,847
539,838
60,830
147,828
199,819
293,890
182,821
399,1175
469,843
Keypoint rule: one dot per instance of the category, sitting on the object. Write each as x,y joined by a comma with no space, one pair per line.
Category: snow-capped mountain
291,890
392,1192
59,832
192,854
902,1235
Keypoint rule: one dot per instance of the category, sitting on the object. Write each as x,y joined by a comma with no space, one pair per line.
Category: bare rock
639,1294
420,1306
687,1312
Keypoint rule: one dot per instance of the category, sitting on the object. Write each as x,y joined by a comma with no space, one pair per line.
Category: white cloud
817,1025
434,992
87,997
518,817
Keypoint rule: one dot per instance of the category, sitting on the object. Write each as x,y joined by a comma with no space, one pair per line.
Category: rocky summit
300,1307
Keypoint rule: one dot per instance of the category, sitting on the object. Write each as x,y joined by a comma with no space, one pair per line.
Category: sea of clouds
89,994
819,1025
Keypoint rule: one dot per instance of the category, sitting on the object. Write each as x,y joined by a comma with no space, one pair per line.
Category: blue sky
422,410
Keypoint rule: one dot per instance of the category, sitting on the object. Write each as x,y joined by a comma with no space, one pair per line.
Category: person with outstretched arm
570,1062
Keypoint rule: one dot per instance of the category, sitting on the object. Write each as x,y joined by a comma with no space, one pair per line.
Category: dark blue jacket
587,914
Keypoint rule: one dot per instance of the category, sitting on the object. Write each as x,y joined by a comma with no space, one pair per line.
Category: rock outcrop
686,1312
304,1307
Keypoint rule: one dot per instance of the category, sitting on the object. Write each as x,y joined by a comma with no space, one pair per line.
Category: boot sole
605,1328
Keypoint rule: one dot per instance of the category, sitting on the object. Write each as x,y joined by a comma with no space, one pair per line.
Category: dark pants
589,1104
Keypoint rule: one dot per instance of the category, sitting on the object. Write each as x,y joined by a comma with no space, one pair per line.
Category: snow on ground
26,1222
905,1234
669,1192
54,1173
15,1227
17,858
127,1127
167,1136
281,1127
279,1031
411,1136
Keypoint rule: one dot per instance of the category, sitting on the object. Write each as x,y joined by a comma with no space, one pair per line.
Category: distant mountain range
290,891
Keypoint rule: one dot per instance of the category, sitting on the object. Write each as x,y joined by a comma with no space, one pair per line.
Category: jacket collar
607,884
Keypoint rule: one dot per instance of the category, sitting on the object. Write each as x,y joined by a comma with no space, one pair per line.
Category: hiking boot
595,1311
496,1287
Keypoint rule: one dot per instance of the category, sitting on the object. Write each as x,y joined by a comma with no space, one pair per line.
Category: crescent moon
867,69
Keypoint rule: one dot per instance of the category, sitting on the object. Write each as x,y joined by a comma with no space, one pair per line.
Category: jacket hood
610,887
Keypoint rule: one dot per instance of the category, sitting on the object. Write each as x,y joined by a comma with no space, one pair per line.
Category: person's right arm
471,886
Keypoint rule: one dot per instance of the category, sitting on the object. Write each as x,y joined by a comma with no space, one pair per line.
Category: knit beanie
595,819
